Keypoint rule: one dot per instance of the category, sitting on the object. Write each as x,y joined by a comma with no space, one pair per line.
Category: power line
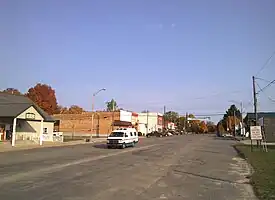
262,89
269,98
266,63
262,79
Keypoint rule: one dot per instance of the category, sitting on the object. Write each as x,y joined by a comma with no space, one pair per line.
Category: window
45,130
135,133
131,133
30,116
116,134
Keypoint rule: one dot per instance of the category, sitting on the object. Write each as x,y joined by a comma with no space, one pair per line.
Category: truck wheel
123,146
133,144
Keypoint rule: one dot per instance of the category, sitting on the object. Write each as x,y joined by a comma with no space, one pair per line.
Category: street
178,167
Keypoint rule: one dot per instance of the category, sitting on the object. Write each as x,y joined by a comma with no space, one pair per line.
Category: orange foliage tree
44,96
203,127
74,109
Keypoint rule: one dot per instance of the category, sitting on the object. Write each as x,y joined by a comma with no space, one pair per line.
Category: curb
50,146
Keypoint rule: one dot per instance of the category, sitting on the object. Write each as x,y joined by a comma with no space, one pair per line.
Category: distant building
266,120
104,122
155,122
170,125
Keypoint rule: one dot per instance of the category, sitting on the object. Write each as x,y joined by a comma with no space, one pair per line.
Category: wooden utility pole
164,111
147,122
186,122
255,100
113,113
255,107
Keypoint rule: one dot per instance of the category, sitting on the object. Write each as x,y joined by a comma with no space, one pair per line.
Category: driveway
178,167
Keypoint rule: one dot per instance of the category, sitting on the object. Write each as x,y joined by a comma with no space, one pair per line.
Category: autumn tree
74,109
202,127
220,127
111,105
12,91
211,127
44,96
61,110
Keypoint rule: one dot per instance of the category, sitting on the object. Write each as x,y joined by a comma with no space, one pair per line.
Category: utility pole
186,122
113,113
93,107
147,122
255,100
234,113
164,111
242,127
255,106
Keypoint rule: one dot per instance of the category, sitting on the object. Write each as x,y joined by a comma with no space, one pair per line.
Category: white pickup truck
122,138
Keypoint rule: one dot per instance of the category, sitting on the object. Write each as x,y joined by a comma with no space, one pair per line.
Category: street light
93,106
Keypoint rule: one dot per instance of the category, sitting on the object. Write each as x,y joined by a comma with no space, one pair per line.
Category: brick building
81,124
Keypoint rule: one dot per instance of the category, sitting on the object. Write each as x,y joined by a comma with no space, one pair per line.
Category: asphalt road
180,167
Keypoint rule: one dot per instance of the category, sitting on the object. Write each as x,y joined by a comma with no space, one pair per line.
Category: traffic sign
256,133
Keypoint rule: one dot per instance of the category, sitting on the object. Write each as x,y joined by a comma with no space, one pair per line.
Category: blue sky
192,56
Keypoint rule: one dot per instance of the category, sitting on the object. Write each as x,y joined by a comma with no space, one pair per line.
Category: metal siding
269,129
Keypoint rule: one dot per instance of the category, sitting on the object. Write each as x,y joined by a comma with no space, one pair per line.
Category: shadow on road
100,146
224,138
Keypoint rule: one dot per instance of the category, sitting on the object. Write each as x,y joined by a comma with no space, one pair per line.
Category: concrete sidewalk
23,145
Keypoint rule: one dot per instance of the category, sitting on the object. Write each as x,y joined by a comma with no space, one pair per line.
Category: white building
153,120
21,119
125,116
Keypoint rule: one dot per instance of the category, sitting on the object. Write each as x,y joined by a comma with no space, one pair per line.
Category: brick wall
82,123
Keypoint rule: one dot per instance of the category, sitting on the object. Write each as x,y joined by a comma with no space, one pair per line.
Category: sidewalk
23,145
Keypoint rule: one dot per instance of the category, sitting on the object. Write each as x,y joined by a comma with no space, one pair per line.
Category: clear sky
192,56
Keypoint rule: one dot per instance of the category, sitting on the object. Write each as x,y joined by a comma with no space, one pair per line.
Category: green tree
111,105
181,123
74,109
171,116
229,120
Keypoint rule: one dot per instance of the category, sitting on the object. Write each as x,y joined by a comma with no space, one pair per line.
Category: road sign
256,133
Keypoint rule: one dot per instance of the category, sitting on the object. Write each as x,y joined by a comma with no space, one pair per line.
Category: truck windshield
117,134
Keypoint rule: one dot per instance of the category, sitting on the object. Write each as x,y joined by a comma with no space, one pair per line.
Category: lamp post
93,106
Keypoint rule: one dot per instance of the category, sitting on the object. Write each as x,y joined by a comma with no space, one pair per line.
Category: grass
263,178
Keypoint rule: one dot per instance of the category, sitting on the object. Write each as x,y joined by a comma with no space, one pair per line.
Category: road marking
57,167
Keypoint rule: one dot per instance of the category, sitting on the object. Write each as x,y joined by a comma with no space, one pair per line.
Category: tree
74,109
62,110
12,91
203,127
191,116
220,127
111,105
211,127
171,116
44,96
181,122
231,118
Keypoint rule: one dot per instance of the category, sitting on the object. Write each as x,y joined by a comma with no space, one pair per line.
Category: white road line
57,167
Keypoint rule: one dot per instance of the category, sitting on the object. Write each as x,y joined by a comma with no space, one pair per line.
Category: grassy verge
263,178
